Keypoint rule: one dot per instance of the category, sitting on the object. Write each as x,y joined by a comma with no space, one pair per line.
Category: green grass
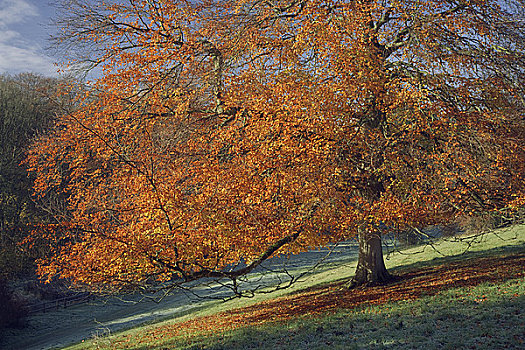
487,316
483,317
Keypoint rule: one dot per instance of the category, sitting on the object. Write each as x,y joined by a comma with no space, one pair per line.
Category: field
445,297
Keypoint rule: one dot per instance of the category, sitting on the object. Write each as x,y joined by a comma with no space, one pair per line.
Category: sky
25,27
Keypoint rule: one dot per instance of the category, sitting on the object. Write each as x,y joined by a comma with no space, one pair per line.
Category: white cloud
16,11
8,35
25,59
21,52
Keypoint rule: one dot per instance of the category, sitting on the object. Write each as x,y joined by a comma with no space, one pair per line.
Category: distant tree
27,107
223,132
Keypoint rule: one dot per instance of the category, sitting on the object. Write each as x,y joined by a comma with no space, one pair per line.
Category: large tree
220,133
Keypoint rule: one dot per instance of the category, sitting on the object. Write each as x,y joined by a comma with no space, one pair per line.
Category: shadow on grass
467,255
442,324
420,280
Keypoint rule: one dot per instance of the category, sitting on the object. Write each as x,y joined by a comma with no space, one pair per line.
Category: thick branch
218,66
247,269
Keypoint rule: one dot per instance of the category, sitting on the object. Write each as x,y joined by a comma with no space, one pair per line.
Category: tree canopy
221,133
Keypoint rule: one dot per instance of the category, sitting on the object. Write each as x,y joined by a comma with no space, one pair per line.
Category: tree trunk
371,268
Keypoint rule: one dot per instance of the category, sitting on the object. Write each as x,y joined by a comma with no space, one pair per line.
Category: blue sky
25,27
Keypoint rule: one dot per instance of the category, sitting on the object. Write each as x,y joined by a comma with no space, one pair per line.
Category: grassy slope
439,305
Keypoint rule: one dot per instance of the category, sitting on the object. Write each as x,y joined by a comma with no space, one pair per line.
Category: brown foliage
229,131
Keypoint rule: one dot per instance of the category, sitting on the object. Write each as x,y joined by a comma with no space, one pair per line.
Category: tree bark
371,269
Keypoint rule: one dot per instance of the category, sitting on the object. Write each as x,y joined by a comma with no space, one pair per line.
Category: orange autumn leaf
222,133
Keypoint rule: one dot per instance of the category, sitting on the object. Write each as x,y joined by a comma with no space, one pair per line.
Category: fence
60,303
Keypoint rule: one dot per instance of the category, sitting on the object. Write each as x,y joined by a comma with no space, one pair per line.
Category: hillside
465,299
